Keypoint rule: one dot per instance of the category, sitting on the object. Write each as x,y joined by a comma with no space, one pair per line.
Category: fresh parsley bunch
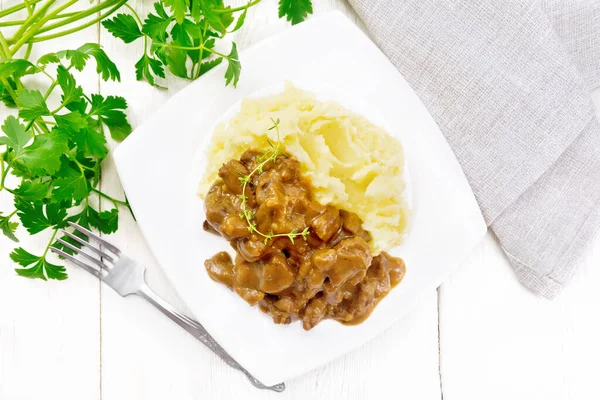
181,35
51,152
55,151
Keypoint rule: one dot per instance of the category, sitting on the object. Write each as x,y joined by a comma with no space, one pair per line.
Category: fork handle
198,331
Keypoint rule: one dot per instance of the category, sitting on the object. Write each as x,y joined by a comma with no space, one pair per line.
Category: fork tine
89,269
97,238
83,253
89,246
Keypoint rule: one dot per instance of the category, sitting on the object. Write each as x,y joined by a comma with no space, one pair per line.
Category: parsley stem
135,14
82,167
15,8
53,85
1,170
4,173
11,214
139,21
50,89
50,242
201,55
80,27
43,71
232,10
115,201
78,16
28,51
9,89
4,46
60,107
33,29
40,13
41,127
22,21
28,5
201,47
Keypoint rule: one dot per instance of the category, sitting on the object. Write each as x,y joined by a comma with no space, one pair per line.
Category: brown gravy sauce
332,274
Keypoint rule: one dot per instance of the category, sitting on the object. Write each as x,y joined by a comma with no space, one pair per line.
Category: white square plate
157,166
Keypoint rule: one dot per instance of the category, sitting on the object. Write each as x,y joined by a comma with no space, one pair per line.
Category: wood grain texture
78,340
500,340
49,331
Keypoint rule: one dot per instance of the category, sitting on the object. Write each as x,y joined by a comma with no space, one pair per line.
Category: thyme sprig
248,215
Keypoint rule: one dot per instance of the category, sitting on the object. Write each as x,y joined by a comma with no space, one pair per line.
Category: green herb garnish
51,151
182,36
270,156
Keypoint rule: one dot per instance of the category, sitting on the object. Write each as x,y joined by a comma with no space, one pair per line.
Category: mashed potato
352,164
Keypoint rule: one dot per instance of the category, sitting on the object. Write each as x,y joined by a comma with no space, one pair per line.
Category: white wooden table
480,336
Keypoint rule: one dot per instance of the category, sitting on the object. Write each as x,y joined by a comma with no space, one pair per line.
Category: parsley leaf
156,26
50,58
5,95
147,67
234,68
32,104
196,10
176,58
16,135
124,27
33,190
208,65
36,267
91,143
36,217
295,11
219,21
16,68
105,221
57,162
109,110
104,66
8,228
71,185
179,8
240,21
66,81
71,122
42,157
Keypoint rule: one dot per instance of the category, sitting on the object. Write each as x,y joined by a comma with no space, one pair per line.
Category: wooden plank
49,331
500,341
146,356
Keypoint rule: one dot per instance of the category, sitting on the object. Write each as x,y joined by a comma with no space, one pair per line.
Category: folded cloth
508,82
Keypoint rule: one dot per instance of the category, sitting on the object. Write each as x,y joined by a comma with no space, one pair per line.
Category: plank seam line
98,34
439,345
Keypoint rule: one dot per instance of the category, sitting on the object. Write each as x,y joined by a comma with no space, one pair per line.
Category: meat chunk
324,259
219,204
250,295
251,249
314,313
231,172
353,225
329,274
326,224
234,227
353,259
276,275
220,268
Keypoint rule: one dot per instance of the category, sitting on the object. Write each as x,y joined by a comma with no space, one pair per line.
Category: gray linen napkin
508,83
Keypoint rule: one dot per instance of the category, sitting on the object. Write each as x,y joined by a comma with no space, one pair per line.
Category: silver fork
125,276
